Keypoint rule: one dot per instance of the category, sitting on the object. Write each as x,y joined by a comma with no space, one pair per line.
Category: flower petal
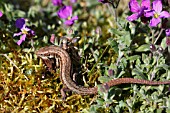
57,2
149,13
32,32
133,17
157,6
73,1
19,42
164,14
146,4
21,39
1,13
25,28
154,22
69,22
168,41
134,6
167,31
17,34
74,18
103,1
19,23
65,12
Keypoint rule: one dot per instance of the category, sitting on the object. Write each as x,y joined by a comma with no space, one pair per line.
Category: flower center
24,31
69,18
156,15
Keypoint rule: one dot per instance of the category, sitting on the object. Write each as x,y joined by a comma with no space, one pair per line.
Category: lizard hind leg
63,92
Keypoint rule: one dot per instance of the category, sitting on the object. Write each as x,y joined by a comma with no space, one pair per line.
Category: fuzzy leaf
143,48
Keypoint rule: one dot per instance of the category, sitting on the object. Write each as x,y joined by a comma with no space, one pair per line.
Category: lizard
65,70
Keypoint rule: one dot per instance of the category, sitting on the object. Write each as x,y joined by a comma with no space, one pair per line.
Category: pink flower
73,1
66,13
167,31
1,14
25,31
103,1
156,13
57,2
137,10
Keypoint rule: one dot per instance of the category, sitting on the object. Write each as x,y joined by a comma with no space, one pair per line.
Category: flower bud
110,72
152,48
160,50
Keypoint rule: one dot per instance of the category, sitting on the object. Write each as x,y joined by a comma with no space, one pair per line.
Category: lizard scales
65,68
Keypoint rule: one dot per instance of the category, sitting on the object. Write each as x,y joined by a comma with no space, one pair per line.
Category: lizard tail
94,90
134,81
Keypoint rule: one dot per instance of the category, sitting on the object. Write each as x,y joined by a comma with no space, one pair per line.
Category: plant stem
152,31
158,36
5,55
98,60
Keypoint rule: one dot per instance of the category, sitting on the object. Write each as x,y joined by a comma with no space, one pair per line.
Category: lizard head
44,52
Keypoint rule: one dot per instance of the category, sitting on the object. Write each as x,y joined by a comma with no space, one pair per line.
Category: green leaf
103,79
19,13
164,66
163,43
125,39
122,103
143,48
121,73
134,57
113,44
100,101
139,73
116,31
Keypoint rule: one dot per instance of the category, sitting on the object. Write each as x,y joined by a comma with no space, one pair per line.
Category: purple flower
25,31
52,39
152,48
167,31
66,13
156,13
57,2
73,1
1,13
110,72
19,23
138,10
103,1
